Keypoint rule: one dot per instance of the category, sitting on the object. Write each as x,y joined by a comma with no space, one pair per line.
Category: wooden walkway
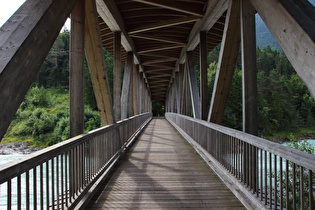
162,171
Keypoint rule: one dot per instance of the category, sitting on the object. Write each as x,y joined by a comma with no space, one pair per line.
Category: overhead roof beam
162,60
110,14
166,4
159,48
157,38
163,24
214,10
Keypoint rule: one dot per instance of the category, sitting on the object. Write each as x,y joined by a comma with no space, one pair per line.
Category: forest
284,103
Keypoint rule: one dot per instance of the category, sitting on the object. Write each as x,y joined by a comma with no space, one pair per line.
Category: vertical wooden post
130,95
117,75
140,93
144,87
76,85
178,95
136,89
248,36
126,86
203,75
194,91
181,87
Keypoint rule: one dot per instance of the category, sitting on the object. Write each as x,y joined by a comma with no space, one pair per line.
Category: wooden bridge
163,171
158,42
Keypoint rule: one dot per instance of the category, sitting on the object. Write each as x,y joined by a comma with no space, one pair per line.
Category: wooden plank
96,62
203,75
126,86
248,36
226,64
296,39
76,70
117,75
163,24
163,171
193,85
172,6
33,34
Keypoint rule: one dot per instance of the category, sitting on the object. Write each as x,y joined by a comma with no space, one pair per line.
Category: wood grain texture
162,171
25,40
96,62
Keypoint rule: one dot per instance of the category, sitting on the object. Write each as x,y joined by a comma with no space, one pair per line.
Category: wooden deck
162,171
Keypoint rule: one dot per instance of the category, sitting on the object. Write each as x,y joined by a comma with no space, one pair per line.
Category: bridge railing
279,176
64,175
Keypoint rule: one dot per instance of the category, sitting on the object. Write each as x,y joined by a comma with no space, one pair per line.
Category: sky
8,7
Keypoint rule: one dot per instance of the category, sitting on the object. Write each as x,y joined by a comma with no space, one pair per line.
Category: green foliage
158,108
284,103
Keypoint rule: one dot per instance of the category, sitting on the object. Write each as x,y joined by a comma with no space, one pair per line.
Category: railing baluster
301,187
57,177
294,187
261,174
287,183
281,185
35,187
275,181
266,174
19,198
9,191
62,181
310,190
27,183
41,187
47,185
53,183
270,180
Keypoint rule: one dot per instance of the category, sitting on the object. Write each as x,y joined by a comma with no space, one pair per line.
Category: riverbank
17,148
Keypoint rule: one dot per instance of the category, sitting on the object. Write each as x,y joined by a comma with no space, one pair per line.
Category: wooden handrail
270,171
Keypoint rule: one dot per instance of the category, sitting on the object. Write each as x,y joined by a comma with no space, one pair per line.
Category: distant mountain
263,35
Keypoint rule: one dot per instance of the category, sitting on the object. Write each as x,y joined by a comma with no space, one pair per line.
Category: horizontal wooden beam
172,6
160,48
163,24
161,60
25,40
157,38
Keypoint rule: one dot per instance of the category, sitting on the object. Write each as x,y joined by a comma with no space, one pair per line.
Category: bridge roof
159,32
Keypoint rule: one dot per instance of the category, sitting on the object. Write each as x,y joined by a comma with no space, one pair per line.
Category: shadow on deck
163,171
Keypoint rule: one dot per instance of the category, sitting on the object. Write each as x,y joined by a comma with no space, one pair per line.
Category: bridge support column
181,88
249,73
126,86
76,84
248,36
194,91
203,75
130,95
136,89
117,75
